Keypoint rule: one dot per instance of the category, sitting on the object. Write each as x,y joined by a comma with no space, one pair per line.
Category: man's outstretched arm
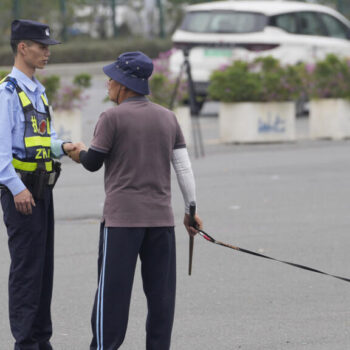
91,159
182,166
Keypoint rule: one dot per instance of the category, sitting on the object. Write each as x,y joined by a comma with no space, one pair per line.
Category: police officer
137,141
28,144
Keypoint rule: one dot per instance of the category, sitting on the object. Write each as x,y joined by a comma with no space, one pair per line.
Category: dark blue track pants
30,241
118,252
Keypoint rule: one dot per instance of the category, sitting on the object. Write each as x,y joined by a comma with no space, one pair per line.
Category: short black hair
14,44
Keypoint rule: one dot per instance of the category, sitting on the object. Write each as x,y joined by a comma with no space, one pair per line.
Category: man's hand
191,230
78,147
24,202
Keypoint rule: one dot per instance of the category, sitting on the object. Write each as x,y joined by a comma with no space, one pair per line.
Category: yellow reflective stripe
2,80
48,165
48,128
44,100
25,166
30,166
34,141
24,99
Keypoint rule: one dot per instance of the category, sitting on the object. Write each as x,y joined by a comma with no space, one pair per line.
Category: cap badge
47,32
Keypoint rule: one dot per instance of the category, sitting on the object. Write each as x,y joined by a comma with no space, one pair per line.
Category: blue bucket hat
131,69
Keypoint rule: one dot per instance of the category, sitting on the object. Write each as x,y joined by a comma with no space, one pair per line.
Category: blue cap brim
46,41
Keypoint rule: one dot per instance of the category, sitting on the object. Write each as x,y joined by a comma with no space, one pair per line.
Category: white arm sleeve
182,166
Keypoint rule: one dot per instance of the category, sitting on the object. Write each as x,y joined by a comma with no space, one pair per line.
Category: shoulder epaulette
11,83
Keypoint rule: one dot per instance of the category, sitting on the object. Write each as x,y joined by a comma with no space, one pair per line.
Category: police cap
24,29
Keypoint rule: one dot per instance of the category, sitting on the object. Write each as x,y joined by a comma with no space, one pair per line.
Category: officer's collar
31,84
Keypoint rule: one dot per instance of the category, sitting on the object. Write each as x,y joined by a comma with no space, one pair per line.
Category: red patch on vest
42,127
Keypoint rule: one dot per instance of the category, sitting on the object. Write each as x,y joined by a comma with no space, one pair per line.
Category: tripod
194,105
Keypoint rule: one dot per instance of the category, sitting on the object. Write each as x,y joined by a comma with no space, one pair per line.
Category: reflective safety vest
37,133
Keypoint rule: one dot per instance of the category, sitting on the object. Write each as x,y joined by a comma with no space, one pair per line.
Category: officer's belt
36,181
28,176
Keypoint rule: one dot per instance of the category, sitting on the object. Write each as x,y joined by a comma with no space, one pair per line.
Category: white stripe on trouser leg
101,285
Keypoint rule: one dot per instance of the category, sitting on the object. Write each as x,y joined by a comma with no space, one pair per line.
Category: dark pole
340,6
16,9
63,9
161,19
115,29
194,107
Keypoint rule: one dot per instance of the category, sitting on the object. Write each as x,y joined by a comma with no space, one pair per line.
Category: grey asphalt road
290,201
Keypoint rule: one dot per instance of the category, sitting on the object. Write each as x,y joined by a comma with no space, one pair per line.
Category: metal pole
194,107
340,6
161,19
16,9
63,9
114,11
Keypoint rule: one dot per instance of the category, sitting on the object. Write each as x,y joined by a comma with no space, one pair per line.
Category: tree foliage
46,11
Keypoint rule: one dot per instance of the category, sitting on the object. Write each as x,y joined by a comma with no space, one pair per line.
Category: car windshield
223,22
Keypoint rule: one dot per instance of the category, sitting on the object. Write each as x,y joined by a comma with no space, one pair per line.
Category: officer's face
36,55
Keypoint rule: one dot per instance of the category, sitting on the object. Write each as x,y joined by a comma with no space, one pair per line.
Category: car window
287,22
310,24
223,22
334,27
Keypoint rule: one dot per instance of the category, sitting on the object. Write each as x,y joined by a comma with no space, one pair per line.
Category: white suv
219,32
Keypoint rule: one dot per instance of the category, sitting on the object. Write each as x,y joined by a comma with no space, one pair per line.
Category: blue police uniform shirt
12,128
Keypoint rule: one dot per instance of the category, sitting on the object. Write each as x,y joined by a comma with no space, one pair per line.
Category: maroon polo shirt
138,137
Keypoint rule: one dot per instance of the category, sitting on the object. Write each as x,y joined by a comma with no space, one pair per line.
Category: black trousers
118,252
31,242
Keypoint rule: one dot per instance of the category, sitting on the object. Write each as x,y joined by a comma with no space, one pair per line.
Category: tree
46,11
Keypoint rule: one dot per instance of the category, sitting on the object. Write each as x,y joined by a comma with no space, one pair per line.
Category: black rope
213,240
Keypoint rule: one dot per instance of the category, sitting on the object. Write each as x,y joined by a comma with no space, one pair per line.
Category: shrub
262,80
92,50
3,74
235,83
329,78
163,84
82,80
65,97
51,83
280,83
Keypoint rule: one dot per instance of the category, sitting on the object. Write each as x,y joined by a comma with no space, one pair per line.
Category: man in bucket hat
137,141
28,144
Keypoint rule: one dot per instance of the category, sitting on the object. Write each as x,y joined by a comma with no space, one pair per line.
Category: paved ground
290,201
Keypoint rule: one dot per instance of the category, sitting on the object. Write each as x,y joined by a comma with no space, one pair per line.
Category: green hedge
89,50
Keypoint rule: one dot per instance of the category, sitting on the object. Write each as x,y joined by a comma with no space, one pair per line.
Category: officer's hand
24,202
191,230
68,147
